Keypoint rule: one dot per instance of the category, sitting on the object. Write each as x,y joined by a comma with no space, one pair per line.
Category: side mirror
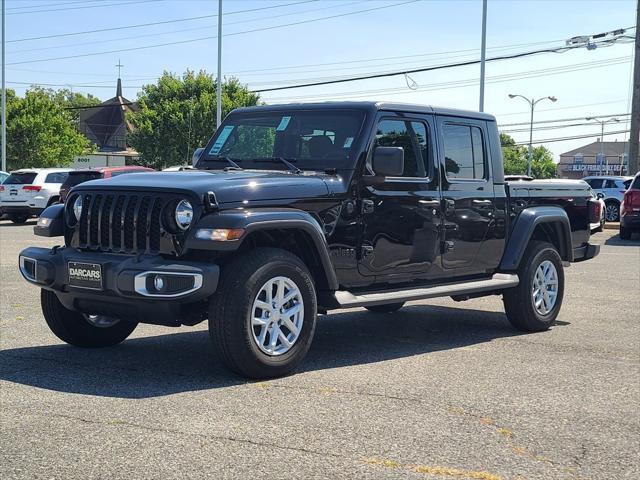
388,161
196,156
600,195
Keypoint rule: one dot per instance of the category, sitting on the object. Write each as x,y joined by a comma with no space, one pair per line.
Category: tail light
631,201
1,188
32,188
595,211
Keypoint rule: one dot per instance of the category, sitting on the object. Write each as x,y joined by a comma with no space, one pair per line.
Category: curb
612,226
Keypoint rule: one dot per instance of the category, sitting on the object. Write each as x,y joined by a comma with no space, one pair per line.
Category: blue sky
402,35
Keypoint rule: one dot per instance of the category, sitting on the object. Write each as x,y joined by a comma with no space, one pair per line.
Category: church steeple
119,86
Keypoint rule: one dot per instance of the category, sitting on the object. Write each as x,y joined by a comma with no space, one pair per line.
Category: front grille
121,222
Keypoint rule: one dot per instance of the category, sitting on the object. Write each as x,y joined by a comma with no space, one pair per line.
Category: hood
229,187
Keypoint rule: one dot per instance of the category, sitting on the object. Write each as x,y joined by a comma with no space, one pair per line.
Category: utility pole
634,135
4,96
219,89
483,52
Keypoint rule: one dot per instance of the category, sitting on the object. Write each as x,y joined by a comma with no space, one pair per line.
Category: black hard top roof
370,106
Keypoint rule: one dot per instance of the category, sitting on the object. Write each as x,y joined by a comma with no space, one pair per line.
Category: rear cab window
24,178
464,152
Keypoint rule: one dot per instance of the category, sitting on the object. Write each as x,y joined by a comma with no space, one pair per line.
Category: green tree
516,159
74,102
40,132
178,115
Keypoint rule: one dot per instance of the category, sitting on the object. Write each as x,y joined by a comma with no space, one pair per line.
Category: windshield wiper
232,165
289,165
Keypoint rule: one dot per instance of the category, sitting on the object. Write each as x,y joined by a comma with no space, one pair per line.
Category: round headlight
77,207
184,214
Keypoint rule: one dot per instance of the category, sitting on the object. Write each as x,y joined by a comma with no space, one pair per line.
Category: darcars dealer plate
85,275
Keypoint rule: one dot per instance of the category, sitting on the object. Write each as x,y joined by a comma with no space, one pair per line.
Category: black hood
229,187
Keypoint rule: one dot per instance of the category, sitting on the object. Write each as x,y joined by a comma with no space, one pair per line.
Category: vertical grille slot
141,224
129,225
94,217
83,223
105,227
154,225
116,224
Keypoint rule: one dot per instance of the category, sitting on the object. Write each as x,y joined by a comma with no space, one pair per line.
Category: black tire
386,308
73,327
625,233
613,208
518,301
230,312
19,219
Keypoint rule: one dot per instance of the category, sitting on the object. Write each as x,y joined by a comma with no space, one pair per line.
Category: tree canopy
178,114
40,131
516,159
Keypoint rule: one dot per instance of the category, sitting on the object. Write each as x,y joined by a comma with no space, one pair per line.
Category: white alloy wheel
277,315
544,289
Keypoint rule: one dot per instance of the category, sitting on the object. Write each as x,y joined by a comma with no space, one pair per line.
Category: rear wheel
81,330
535,303
263,316
386,308
625,233
19,219
612,210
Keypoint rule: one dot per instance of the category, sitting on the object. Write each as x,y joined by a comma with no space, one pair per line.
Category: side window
610,184
58,177
463,152
412,137
595,183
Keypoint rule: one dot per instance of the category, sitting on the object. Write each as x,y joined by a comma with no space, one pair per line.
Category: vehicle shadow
180,362
616,241
9,223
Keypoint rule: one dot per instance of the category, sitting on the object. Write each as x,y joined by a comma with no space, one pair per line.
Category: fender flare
525,225
265,219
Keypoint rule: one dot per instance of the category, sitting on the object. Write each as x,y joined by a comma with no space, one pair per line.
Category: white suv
613,188
28,191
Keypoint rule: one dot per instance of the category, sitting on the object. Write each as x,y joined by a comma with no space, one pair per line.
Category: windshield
310,139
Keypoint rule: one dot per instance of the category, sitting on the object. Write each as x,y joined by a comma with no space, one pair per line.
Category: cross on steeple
119,65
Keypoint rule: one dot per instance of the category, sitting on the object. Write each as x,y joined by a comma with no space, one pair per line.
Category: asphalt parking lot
439,390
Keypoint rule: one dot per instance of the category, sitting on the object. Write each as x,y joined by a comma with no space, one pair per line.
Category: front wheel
535,303
263,316
81,330
612,211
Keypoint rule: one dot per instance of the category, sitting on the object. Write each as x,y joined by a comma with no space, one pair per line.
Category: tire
77,329
519,301
612,210
386,308
235,337
19,219
625,233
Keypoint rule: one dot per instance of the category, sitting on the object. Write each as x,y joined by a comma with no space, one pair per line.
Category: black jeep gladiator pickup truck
295,210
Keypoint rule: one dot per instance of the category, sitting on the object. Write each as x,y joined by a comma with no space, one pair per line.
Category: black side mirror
196,156
388,161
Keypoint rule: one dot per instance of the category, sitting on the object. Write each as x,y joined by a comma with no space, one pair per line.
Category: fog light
43,221
219,234
158,283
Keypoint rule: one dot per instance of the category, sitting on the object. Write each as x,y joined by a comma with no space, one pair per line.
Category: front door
468,198
401,217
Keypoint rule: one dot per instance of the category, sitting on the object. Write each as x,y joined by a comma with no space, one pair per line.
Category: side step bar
498,281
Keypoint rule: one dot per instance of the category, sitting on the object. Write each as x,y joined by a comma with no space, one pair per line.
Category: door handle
482,202
429,203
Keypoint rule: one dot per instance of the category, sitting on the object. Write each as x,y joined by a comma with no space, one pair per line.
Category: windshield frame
208,160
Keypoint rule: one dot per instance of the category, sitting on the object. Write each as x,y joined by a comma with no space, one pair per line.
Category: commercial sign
95,161
592,167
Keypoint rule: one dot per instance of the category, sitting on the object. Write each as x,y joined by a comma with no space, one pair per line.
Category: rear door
468,197
401,217
18,187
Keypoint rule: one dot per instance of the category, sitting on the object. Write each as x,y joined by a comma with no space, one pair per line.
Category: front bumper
128,290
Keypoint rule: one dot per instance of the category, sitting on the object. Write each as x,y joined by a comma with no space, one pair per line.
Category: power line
551,127
181,42
561,120
85,6
164,22
23,7
156,34
426,69
574,137
566,107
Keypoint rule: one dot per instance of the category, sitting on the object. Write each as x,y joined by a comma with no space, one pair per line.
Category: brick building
606,158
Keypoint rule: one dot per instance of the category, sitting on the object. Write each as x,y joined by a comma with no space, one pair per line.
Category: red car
630,210
77,177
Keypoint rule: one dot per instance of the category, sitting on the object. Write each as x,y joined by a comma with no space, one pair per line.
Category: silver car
613,188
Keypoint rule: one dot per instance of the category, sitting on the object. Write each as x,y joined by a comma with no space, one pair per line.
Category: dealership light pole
483,52
4,98
532,102
602,124
219,87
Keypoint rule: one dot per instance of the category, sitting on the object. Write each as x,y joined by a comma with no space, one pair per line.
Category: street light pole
483,52
219,87
4,96
602,124
532,103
